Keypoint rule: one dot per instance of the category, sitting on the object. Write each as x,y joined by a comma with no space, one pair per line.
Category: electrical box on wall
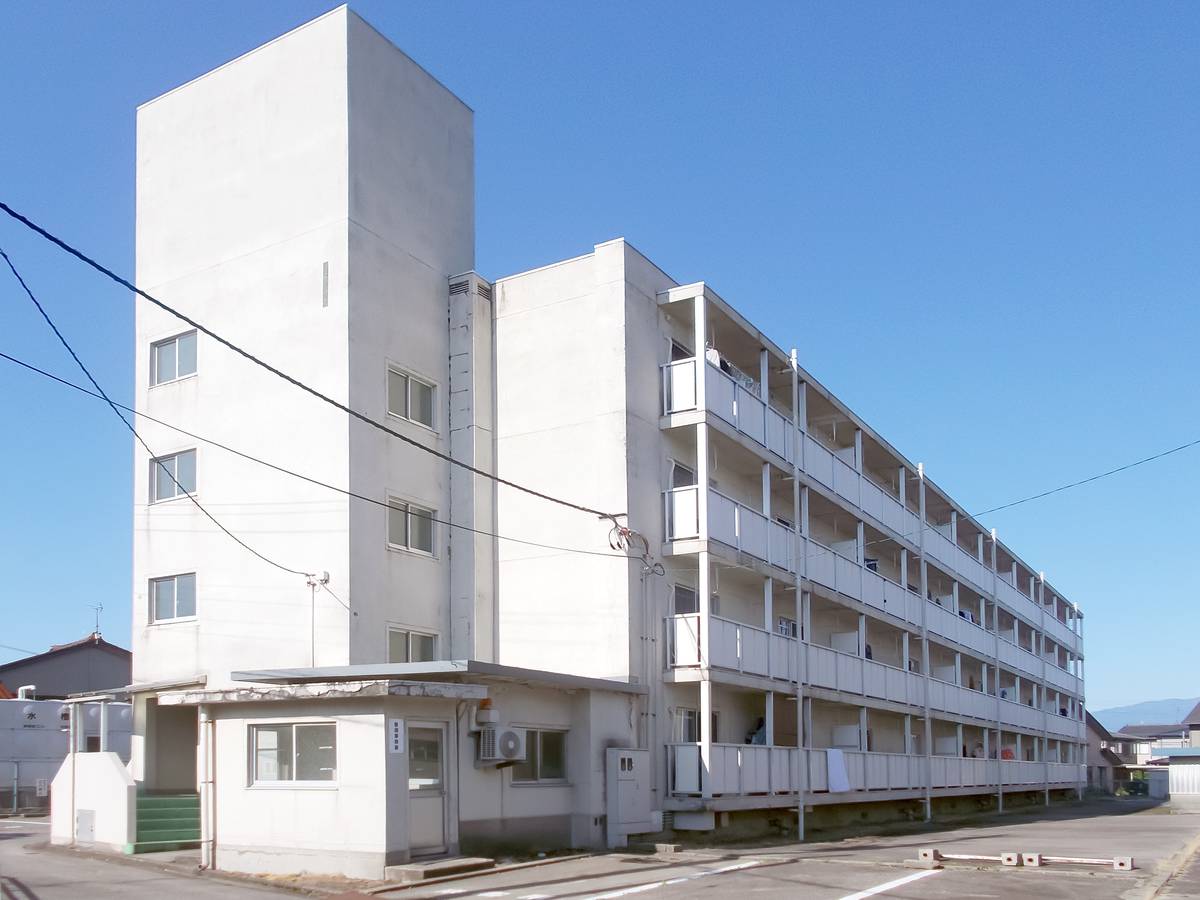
627,794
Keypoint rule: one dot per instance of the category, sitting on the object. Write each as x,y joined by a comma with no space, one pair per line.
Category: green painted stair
167,822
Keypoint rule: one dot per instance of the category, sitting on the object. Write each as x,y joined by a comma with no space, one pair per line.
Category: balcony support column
957,668
961,749
862,729
858,451
860,540
979,547
706,735
769,719
904,568
862,635
766,495
902,481
908,735
904,652
954,597
768,605
954,527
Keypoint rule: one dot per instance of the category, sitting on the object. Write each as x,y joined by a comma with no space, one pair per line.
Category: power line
294,474
129,425
19,649
1092,478
78,254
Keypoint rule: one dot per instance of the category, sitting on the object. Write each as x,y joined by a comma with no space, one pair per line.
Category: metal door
426,787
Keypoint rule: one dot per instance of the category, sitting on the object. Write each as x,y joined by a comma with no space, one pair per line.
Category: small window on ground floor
545,757
299,752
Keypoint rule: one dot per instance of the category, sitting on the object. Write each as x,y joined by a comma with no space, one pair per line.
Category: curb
1173,867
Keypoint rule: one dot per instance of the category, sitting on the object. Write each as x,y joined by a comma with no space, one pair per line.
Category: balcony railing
731,401
732,523
732,645
748,770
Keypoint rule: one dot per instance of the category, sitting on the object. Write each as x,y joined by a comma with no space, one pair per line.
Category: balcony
733,646
730,400
735,524
736,769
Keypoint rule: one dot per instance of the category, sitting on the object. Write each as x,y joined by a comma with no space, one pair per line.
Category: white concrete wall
99,786
411,226
242,198
337,829
325,146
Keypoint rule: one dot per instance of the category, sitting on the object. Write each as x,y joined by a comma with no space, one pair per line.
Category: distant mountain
1149,712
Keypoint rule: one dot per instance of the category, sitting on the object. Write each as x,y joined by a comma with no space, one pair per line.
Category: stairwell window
410,397
545,757
173,598
298,753
173,358
172,476
410,527
411,646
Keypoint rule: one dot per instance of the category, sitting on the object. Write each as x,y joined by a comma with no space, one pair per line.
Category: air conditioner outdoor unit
501,744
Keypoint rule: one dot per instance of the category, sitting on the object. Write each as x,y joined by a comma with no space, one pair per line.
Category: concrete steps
437,868
167,822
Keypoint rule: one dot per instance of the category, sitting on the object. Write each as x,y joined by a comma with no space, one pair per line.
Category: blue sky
978,223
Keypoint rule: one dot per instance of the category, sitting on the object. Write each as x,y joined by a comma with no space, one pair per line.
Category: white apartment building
813,623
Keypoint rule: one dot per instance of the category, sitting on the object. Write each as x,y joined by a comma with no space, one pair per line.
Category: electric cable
284,470
132,429
362,417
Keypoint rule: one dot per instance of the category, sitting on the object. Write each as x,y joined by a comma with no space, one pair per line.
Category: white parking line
641,888
879,889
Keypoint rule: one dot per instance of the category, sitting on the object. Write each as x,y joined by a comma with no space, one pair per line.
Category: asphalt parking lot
1159,839
1163,840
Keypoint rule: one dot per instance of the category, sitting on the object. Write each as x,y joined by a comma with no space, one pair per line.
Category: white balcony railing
730,400
732,523
735,769
747,769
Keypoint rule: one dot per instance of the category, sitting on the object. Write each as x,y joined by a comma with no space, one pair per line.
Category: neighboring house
84,666
1105,767
827,625
1147,742
1192,722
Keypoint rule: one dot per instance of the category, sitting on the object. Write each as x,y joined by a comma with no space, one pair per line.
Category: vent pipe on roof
27,692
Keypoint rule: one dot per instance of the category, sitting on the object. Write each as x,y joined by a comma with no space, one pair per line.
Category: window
684,600
410,646
410,527
296,753
679,352
172,476
682,476
173,598
410,398
173,358
687,726
545,757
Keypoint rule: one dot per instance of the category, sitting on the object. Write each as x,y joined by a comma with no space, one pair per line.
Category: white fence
732,523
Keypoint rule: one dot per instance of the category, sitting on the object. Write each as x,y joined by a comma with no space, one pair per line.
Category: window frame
153,498
410,376
409,633
252,780
174,338
395,503
533,746
151,599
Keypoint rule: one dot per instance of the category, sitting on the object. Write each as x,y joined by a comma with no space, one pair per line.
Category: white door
426,787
